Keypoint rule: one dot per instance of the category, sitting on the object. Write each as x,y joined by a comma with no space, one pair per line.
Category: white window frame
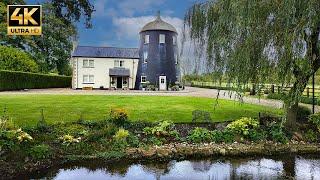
145,79
85,63
88,79
146,39
88,63
91,63
145,56
162,38
118,63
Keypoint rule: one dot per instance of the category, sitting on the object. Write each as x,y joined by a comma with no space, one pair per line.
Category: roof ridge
108,47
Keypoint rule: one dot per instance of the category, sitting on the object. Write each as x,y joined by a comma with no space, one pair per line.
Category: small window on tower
162,38
174,38
146,39
145,56
176,59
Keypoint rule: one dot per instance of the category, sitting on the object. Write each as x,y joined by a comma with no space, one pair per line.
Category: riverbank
175,151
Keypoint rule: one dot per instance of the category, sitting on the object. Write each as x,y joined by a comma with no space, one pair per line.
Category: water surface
297,167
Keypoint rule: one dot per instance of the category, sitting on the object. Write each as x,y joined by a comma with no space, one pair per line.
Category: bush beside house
14,59
14,80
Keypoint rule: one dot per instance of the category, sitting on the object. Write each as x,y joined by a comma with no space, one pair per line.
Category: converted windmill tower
158,63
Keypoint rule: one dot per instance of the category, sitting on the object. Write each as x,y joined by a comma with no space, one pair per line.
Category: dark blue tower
158,64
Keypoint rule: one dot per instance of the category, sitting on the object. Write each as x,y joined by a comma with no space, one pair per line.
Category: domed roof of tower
158,24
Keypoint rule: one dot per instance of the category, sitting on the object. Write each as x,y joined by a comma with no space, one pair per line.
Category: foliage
16,60
276,133
198,135
303,99
13,80
119,116
41,151
201,116
315,119
162,129
246,42
68,139
121,135
243,126
42,125
52,50
225,136
311,136
302,113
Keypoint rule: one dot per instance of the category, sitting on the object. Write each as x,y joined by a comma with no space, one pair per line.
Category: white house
104,67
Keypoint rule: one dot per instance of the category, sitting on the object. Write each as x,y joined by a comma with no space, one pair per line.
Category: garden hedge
14,80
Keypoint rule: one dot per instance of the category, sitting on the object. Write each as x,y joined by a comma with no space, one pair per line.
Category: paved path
189,92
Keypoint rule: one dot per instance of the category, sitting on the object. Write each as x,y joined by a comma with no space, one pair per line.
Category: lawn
25,109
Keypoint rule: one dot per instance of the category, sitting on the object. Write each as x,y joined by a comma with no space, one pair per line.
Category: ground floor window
143,79
88,78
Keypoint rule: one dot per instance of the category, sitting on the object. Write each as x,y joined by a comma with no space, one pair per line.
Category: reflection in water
260,168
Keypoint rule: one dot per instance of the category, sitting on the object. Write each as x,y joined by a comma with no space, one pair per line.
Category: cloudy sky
117,22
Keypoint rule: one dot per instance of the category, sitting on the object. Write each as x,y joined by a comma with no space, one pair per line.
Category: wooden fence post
272,88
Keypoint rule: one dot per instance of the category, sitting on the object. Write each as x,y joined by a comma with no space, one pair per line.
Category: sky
118,22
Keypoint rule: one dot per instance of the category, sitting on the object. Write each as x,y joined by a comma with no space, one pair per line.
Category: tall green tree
53,49
248,39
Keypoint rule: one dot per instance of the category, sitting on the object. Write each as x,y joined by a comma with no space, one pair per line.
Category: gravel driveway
189,92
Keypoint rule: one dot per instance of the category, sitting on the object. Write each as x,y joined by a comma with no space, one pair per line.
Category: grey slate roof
106,52
119,72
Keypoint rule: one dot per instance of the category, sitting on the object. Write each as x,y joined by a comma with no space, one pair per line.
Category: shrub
119,116
315,119
40,151
14,59
42,125
243,125
68,139
311,136
201,116
121,134
277,134
199,135
13,80
162,129
303,113
226,136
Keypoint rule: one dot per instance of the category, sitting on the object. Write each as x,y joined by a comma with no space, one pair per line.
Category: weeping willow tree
248,41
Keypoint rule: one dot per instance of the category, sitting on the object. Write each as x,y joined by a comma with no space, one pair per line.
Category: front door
119,82
162,83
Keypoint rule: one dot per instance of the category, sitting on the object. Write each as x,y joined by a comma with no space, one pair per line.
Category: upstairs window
162,38
174,40
146,39
143,79
88,63
145,56
91,63
118,63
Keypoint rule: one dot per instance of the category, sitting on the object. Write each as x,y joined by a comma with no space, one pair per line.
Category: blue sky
117,22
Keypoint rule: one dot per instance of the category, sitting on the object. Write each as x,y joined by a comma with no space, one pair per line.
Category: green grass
25,109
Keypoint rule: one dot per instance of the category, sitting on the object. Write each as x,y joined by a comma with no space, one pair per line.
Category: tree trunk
291,117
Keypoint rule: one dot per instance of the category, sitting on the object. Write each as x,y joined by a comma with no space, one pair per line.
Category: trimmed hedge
15,80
